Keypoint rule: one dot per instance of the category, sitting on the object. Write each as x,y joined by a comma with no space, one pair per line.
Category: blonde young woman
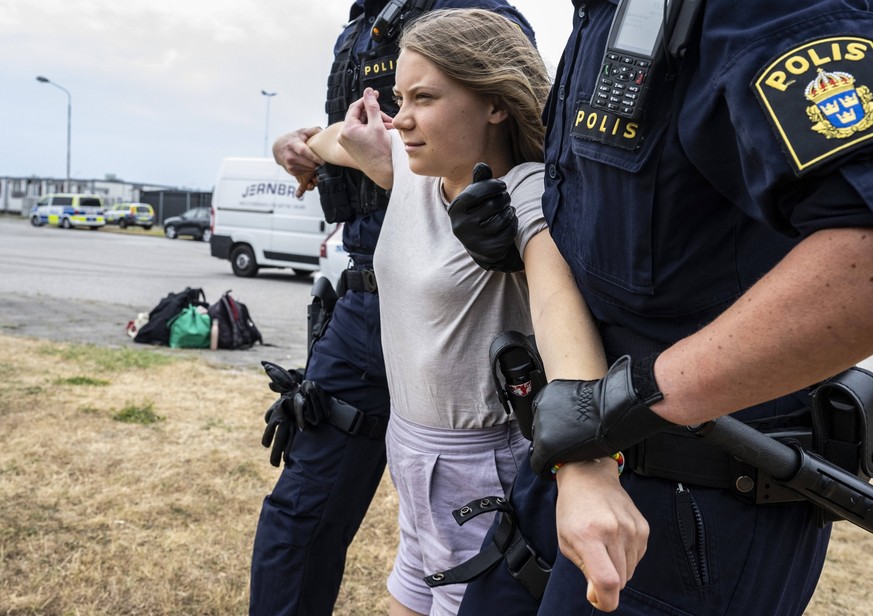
470,88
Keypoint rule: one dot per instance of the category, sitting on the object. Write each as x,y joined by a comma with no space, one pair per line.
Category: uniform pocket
617,161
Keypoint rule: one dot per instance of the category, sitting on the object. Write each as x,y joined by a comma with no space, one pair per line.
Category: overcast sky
162,90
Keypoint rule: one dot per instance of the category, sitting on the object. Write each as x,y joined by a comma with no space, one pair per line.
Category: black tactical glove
484,221
583,420
311,405
280,416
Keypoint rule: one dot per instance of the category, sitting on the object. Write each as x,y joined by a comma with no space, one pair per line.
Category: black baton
815,479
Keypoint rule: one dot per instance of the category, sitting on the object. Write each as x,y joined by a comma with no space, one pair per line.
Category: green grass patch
216,424
109,359
138,413
86,381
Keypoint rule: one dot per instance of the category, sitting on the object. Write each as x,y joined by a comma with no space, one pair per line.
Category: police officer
720,227
328,424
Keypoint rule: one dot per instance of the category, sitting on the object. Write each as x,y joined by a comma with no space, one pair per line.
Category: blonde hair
490,55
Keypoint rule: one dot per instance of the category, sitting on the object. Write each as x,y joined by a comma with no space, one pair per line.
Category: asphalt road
84,285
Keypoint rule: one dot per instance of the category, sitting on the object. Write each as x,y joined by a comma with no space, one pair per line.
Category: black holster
841,424
319,311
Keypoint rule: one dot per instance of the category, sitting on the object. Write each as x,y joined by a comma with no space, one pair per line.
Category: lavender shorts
436,470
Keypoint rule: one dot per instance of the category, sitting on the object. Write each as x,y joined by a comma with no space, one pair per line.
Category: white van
258,222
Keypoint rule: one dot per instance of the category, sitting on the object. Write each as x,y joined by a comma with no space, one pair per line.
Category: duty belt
354,421
358,280
680,456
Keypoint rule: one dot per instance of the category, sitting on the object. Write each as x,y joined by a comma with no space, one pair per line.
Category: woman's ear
497,112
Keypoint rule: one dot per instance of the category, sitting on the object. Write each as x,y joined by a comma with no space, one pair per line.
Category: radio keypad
621,82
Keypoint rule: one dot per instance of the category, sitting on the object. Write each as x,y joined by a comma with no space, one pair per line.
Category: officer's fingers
307,133
305,182
481,172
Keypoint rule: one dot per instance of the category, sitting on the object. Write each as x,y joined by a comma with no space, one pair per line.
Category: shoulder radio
643,34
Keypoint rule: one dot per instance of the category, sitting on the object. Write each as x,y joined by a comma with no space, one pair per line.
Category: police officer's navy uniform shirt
764,137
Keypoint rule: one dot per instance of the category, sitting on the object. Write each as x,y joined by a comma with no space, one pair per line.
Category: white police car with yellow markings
68,210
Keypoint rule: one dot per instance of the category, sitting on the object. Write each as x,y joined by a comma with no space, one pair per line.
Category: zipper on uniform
693,534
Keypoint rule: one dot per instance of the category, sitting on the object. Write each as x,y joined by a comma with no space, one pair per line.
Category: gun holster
319,311
842,421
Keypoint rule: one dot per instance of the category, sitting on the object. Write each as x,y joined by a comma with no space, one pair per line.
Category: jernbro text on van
269,188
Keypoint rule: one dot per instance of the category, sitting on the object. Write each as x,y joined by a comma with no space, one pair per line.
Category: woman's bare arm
599,528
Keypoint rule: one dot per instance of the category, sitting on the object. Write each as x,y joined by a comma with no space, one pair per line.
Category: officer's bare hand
292,154
599,528
365,138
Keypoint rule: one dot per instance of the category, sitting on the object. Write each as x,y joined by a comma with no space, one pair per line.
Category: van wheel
34,220
242,260
122,223
66,224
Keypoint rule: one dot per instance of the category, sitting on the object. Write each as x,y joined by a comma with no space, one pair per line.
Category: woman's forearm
326,145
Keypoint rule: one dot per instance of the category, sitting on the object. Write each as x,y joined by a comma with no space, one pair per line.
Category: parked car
195,222
68,210
333,258
130,215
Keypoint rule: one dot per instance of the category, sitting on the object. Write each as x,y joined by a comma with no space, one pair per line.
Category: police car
68,210
130,215
333,258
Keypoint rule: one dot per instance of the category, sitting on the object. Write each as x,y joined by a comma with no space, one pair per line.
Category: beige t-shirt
439,310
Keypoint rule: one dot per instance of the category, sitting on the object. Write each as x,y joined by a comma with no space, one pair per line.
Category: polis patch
381,67
597,125
818,98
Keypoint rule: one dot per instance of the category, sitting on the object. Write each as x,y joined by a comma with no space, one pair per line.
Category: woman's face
446,128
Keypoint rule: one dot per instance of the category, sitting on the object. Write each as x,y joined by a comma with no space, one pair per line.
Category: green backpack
190,329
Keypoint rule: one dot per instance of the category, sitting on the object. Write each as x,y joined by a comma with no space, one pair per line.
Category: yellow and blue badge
818,98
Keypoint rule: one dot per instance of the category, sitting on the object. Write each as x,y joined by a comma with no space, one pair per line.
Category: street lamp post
269,95
67,186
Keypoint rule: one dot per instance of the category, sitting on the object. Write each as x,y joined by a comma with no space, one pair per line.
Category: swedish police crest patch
818,98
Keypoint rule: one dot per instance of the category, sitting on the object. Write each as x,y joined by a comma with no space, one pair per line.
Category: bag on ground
190,329
236,330
157,330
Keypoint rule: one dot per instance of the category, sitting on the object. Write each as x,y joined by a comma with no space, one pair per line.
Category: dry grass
100,516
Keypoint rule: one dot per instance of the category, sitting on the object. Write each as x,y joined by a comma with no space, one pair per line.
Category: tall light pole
269,95
67,186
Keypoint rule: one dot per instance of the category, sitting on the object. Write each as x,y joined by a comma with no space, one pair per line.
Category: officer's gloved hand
583,420
280,416
484,220
311,405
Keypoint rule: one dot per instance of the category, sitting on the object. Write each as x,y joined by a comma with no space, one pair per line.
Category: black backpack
157,330
236,330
